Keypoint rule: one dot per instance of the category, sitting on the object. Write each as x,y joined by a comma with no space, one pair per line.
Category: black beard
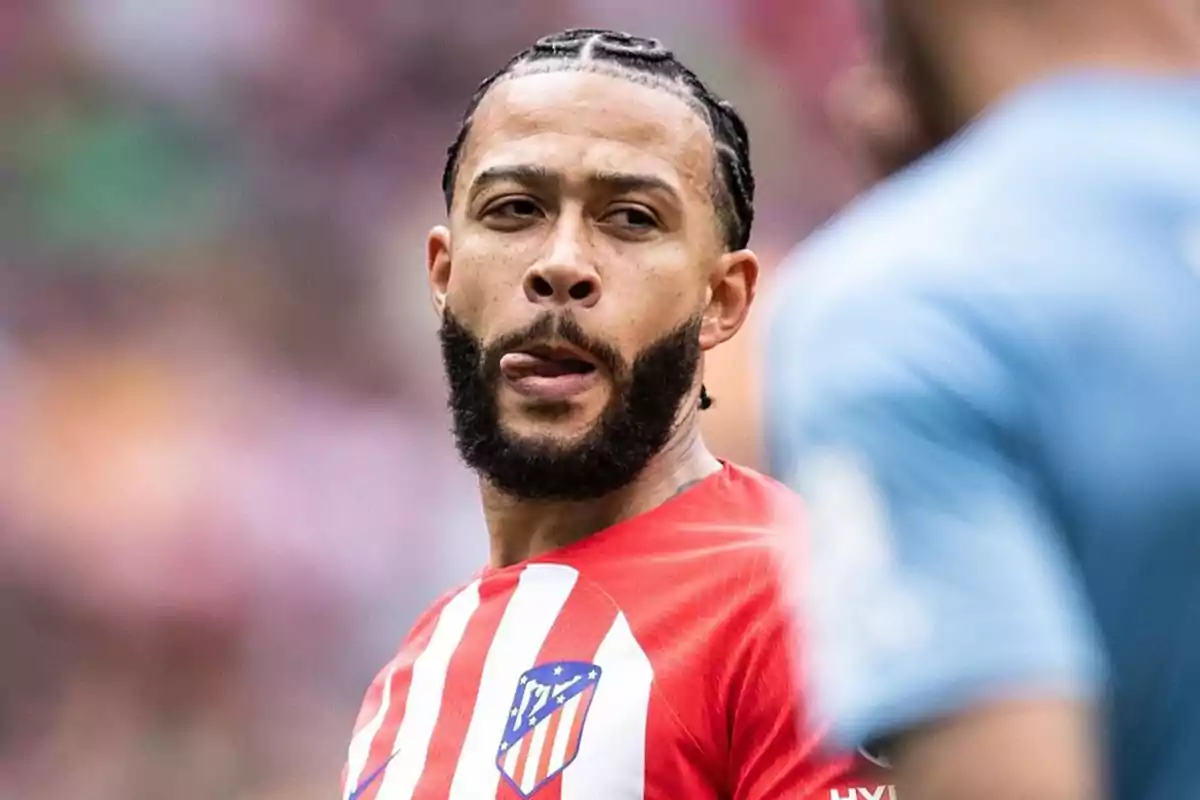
634,426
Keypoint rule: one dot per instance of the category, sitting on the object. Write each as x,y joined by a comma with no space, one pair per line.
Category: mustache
550,325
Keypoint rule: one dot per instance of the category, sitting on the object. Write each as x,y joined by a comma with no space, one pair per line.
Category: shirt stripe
617,719
529,774
582,624
462,681
380,745
360,745
425,697
545,763
558,755
535,605
513,757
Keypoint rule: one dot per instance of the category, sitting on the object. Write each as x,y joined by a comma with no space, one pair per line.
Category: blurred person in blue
984,378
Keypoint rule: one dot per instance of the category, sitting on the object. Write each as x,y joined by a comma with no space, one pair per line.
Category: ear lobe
437,261
731,291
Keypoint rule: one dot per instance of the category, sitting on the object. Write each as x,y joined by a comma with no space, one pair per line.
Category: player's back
1064,233
650,660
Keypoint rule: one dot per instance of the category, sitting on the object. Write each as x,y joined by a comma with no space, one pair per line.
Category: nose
566,277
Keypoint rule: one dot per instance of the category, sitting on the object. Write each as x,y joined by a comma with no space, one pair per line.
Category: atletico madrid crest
545,723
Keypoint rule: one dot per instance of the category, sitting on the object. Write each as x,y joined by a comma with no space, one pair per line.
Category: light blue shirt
984,377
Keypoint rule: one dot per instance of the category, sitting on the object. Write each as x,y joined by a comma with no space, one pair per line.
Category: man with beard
626,640
991,359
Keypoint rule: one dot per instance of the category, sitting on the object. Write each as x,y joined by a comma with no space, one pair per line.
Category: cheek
484,278
654,297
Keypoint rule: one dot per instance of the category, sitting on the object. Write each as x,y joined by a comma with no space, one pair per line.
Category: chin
531,418
556,428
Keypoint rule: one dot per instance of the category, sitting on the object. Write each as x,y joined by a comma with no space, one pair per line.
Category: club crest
545,723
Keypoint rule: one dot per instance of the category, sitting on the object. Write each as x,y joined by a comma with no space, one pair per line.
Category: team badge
545,723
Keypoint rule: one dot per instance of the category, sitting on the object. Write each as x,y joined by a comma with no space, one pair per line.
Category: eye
513,210
632,218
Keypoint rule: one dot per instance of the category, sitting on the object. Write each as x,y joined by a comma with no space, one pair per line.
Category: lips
549,372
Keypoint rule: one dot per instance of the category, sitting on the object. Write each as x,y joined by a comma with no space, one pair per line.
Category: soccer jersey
986,386
649,660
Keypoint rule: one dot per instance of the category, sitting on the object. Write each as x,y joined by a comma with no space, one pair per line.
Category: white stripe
612,752
537,742
425,696
532,610
558,753
360,745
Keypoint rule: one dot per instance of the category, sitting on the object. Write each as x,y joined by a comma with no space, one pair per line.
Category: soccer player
986,386
627,639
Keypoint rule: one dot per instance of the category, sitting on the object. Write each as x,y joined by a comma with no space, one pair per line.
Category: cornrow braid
643,61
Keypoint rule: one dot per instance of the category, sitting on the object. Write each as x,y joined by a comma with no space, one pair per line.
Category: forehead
576,122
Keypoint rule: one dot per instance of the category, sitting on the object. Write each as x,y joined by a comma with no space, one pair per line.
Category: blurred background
228,484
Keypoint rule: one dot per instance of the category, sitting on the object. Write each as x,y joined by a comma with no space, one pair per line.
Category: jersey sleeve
936,576
773,753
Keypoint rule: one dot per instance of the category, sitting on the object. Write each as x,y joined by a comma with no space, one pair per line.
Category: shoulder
1000,224
734,551
703,563
716,627
713,557
417,639
914,236
961,218
728,548
917,288
465,595
757,507
732,510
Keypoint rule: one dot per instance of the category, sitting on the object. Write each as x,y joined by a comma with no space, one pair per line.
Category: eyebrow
533,175
631,182
526,174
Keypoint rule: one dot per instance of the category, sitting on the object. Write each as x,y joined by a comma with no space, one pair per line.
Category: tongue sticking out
515,366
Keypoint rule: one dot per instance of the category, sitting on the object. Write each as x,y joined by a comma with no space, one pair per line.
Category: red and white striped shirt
650,660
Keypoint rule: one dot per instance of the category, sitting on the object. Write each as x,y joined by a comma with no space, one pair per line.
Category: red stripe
463,675
575,636
370,707
385,739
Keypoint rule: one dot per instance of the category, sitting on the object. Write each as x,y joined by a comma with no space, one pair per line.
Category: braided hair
643,61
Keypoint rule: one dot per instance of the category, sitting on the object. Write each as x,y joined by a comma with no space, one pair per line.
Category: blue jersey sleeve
935,576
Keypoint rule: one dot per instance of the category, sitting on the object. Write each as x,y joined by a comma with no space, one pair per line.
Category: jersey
649,660
986,385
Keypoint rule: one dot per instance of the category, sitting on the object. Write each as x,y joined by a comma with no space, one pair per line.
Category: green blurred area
114,180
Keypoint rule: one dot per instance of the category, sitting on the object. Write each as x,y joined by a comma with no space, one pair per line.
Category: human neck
523,529
984,51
